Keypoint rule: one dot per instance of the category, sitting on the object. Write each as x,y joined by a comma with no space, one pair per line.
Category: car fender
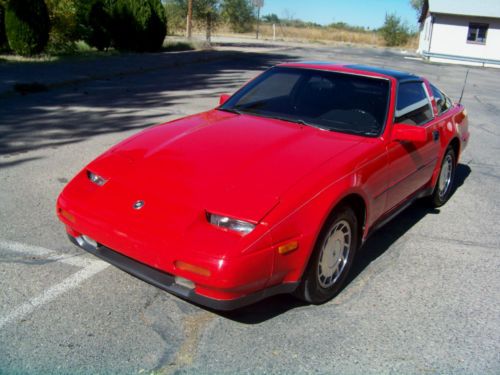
304,225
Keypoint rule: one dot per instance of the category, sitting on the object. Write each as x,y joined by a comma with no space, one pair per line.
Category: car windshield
328,100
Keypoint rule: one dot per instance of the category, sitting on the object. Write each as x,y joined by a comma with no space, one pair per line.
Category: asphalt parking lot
424,297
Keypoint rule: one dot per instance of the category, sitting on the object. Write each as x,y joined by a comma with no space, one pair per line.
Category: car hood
238,165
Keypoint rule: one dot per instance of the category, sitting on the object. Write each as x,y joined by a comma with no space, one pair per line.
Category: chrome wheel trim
334,253
445,176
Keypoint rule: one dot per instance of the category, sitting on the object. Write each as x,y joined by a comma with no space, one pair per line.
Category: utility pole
189,22
258,4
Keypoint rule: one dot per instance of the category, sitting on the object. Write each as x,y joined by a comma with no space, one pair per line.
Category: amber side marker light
288,247
192,268
67,215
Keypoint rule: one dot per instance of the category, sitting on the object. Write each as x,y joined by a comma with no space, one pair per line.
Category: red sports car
273,191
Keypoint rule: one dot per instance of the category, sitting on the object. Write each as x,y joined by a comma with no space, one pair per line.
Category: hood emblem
138,205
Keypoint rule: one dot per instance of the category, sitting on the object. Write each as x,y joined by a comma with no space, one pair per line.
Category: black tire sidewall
438,201
310,290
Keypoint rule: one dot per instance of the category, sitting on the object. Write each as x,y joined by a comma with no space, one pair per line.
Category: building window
477,33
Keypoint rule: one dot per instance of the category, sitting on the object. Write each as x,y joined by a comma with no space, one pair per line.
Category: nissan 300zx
275,190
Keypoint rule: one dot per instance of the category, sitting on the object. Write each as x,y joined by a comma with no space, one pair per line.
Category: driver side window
413,106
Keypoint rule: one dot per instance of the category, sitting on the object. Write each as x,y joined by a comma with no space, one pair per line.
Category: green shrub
138,25
158,25
176,12
178,46
239,15
27,26
3,38
63,25
394,32
98,22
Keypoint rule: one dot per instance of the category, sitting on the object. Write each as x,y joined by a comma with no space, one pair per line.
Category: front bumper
167,282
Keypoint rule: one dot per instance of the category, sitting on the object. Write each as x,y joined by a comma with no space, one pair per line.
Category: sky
368,13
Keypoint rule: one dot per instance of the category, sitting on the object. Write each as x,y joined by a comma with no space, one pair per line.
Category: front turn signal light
192,268
67,215
288,247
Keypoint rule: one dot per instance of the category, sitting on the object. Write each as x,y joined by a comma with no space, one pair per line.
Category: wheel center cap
337,247
333,255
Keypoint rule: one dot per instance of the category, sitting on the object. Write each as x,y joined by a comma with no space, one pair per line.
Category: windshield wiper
296,121
230,110
352,131
301,122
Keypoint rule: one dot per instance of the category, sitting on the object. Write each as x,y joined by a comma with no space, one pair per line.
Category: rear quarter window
442,102
413,106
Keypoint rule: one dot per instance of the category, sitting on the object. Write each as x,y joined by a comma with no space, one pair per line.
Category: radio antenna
463,88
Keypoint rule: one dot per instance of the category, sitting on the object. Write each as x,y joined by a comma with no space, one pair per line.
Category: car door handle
435,135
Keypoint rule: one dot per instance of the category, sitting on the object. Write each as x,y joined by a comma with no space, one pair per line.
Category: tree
239,14
421,8
176,12
258,4
417,5
394,31
206,12
27,26
138,25
158,25
271,18
3,37
189,19
64,24
97,23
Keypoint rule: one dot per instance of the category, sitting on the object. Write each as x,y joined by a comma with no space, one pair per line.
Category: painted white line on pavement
46,254
53,292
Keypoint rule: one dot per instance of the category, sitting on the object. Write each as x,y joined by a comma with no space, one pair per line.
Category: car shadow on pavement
373,248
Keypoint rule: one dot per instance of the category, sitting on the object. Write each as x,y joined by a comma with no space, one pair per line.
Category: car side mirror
223,98
409,133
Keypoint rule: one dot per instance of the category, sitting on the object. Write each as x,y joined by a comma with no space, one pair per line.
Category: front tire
332,258
445,183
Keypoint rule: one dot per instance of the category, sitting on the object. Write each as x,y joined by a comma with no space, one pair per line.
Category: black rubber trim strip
397,210
166,281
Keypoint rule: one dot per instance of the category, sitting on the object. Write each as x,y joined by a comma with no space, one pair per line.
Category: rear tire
445,183
332,258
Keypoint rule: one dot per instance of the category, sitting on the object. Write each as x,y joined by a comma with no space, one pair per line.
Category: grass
325,35
322,34
311,34
81,50
179,46
9,57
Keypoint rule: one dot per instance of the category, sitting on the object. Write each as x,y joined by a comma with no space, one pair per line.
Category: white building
461,31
